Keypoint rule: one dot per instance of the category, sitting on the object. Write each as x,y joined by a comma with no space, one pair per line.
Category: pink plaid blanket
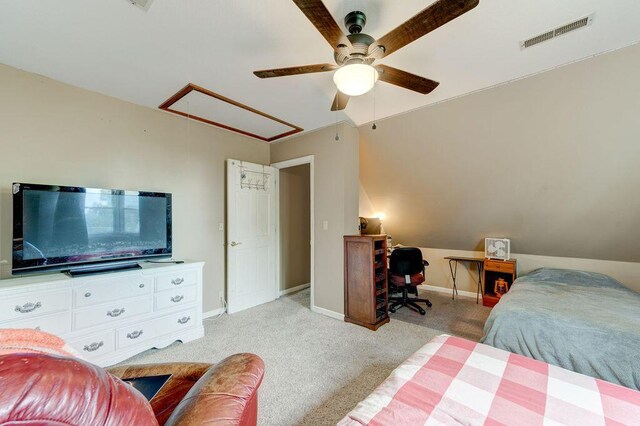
455,381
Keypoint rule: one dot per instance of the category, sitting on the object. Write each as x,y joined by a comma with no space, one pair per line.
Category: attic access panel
200,104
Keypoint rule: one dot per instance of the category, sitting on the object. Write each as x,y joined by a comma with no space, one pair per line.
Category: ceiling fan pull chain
336,101
374,109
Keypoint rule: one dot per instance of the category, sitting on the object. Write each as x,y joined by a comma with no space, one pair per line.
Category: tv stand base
102,269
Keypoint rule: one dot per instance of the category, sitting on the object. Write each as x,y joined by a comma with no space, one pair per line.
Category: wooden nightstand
493,271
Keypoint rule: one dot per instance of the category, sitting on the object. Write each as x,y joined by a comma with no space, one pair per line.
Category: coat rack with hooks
250,179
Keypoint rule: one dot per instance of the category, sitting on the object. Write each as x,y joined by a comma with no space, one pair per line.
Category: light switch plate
325,225
221,226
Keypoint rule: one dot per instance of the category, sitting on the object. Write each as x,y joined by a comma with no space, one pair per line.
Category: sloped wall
551,161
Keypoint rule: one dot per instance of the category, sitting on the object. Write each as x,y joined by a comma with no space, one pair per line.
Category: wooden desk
454,260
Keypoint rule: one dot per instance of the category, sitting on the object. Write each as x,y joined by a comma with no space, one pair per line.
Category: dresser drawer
178,321
110,312
176,280
175,297
95,345
31,305
101,291
135,333
58,323
492,265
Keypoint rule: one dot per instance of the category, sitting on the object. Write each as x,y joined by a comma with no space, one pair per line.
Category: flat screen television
77,230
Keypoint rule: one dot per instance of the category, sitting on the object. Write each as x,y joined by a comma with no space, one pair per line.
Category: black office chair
406,272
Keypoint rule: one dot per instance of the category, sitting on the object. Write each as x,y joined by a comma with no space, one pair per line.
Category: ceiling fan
355,53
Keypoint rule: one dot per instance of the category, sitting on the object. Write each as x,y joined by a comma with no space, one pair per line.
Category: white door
251,235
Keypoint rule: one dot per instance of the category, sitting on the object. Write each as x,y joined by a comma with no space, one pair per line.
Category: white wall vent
142,4
564,29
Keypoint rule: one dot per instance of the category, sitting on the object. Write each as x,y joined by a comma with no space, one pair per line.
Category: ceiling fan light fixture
355,79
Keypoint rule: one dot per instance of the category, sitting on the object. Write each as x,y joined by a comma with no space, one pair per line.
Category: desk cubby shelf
494,270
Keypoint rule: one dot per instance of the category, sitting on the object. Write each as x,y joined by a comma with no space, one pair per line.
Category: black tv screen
66,227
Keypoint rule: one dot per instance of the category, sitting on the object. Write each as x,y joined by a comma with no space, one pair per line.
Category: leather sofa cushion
51,390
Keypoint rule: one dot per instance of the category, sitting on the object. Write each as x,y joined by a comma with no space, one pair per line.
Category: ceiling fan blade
404,79
320,17
304,69
340,101
434,16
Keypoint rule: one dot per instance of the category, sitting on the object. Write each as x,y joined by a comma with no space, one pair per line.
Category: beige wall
365,207
550,161
295,228
55,133
438,274
336,201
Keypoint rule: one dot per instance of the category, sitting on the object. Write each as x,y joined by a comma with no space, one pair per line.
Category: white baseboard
213,313
461,293
328,313
294,289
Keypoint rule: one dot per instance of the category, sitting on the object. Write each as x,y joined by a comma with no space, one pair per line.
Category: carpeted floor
319,368
460,317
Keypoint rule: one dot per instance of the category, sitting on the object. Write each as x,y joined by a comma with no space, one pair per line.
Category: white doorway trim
309,159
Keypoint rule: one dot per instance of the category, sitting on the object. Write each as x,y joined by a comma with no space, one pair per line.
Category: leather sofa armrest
183,370
225,395
183,377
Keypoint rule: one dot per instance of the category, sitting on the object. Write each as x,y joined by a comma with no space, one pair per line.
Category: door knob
233,244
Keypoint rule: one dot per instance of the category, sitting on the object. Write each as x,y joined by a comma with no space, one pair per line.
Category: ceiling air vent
564,29
142,4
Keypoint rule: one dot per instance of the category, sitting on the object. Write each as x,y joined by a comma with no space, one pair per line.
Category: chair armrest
225,395
183,377
183,370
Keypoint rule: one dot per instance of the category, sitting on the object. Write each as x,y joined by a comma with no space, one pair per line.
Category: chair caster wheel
422,311
429,304
392,310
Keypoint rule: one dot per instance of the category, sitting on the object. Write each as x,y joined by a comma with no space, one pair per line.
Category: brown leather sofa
39,390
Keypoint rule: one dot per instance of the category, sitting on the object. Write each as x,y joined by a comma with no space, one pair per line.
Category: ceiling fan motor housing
355,21
360,43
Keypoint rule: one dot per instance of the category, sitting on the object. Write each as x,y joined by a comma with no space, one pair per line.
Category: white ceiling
143,57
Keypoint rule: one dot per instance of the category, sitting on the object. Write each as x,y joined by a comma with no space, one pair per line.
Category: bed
581,321
454,381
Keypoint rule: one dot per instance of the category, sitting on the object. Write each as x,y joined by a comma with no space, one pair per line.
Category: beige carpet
317,368
460,317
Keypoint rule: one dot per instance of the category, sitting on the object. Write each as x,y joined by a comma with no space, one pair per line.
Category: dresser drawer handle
28,307
134,334
177,281
141,286
87,294
94,346
184,320
176,299
115,313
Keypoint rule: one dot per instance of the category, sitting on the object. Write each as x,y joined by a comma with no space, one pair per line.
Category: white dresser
109,317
